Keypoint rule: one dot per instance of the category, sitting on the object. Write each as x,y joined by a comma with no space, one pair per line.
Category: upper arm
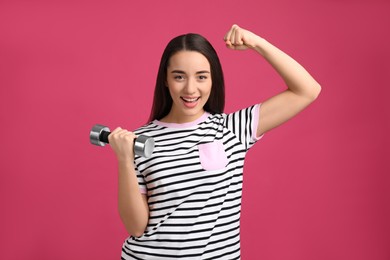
280,108
145,203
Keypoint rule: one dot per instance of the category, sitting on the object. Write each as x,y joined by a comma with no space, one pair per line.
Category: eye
202,77
178,77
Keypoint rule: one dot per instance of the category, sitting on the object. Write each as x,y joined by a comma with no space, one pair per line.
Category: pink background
315,188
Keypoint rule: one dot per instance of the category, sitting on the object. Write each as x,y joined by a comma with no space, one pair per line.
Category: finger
229,33
227,38
238,36
124,134
114,134
234,37
116,130
230,36
120,135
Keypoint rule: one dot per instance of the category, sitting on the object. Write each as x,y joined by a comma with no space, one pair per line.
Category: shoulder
147,128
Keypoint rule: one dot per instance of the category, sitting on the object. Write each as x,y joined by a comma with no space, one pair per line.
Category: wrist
260,45
125,161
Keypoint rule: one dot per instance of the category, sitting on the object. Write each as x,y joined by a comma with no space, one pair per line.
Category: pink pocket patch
212,156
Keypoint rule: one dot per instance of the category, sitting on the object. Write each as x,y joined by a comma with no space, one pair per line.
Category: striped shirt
194,185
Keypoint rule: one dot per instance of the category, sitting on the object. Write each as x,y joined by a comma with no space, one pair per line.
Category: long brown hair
162,101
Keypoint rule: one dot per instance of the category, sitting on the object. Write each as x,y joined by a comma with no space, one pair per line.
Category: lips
190,100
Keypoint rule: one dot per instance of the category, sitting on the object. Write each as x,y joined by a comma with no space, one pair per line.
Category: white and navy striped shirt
194,184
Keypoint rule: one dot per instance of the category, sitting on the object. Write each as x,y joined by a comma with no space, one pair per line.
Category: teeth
190,99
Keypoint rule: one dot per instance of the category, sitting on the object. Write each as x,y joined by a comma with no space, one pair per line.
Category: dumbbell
143,145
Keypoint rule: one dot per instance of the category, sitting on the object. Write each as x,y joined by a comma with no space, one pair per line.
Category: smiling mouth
190,100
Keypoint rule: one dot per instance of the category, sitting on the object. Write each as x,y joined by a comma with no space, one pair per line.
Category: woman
184,201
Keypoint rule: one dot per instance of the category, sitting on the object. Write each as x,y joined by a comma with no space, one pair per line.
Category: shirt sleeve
243,124
141,182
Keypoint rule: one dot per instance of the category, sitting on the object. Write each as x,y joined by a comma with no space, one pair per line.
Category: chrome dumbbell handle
143,145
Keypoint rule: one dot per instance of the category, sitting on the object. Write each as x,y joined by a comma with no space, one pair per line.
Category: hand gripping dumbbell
143,145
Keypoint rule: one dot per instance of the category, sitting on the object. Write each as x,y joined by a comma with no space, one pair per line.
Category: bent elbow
315,92
135,226
318,89
136,231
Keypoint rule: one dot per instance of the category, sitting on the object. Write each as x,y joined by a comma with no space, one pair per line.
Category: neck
181,119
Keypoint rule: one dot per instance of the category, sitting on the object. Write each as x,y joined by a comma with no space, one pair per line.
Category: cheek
172,87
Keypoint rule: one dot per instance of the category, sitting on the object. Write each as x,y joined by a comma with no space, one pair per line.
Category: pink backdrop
315,188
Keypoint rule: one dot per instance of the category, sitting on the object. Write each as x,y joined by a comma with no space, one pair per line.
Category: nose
190,86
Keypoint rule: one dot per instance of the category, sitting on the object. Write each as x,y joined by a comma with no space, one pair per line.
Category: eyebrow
198,72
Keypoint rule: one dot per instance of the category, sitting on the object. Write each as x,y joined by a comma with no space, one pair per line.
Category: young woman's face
189,82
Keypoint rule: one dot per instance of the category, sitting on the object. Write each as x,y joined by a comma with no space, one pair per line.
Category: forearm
297,79
132,205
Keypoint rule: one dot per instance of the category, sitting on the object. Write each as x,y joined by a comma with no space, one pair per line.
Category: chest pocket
212,156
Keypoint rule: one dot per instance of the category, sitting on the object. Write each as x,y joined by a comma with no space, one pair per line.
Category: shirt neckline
183,125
